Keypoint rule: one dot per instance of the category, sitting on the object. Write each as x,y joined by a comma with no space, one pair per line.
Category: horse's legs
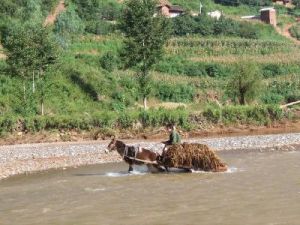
130,168
167,169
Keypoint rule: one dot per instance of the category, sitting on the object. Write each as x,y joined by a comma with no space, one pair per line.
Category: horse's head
111,146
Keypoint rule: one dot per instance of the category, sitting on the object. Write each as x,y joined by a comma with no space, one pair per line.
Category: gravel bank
18,159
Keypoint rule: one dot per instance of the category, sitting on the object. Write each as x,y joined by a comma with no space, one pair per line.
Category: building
268,15
169,10
282,1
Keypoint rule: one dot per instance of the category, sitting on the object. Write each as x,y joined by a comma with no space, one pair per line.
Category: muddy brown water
261,188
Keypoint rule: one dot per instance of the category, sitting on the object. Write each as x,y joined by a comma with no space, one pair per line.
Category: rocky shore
19,159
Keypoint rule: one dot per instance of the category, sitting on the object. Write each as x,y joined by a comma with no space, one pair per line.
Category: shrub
126,120
272,98
295,31
245,85
212,114
260,115
160,117
8,124
108,61
99,27
175,93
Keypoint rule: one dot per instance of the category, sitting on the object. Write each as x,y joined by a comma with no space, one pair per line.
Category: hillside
200,62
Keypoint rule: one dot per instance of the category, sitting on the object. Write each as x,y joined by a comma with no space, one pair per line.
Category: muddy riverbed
260,188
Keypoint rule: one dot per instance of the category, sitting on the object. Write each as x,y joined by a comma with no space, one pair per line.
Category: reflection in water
260,188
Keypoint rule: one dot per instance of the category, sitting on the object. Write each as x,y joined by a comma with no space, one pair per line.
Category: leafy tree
145,38
67,25
30,49
108,61
185,24
245,85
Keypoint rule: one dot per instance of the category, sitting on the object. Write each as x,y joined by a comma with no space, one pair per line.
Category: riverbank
25,158
207,130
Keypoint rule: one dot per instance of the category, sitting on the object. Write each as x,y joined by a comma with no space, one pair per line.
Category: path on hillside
286,32
54,14
2,55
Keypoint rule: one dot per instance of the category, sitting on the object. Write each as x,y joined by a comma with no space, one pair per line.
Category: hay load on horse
192,156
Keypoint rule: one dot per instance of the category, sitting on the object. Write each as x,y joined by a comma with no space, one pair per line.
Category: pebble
20,159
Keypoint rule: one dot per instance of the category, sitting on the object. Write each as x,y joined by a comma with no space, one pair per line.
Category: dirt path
286,32
53,15
2,55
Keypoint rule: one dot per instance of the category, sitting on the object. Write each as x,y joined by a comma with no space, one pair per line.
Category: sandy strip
19,159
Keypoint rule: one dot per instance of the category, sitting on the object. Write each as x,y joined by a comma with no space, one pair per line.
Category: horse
135,155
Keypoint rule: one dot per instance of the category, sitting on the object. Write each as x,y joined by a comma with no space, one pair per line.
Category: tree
245,84
296,3
30,49
67,25
145,35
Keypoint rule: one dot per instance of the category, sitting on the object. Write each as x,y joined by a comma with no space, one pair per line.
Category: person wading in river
174,137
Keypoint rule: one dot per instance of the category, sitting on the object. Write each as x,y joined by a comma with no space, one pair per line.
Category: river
260,188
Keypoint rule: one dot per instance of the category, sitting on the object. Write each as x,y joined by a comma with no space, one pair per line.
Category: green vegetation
207,65
295,31
245,84
145,36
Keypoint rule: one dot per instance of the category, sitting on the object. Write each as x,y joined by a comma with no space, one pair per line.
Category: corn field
216,46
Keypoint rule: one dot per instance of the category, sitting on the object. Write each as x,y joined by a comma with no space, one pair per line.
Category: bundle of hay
194,156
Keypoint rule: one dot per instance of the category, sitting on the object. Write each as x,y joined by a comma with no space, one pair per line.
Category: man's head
170,127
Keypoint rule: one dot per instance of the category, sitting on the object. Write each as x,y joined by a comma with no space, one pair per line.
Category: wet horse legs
130,168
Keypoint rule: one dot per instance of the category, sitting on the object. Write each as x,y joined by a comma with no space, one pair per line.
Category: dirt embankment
147,134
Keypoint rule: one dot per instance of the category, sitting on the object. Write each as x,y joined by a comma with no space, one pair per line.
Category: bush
245,85
8,124
160,117
99,27
109,61
207,26
260,115
175,93
126,120
272,98
295,31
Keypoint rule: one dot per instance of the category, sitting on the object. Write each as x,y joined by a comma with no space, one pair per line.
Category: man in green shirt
174,137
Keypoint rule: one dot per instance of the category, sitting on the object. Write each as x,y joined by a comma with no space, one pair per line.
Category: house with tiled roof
169,10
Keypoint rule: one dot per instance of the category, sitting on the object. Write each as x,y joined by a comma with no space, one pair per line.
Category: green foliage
108,61
67,25
296,3
179,66
98,14
286,91
160,117
295,31
145,38
246,2
245,85
206,26
175,93
99,27
260,115
29,48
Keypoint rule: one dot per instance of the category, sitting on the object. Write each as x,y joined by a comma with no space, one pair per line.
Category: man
174,137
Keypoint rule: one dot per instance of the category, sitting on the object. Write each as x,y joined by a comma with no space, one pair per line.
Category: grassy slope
78,87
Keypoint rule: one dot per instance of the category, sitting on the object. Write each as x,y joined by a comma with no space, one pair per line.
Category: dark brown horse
135,155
